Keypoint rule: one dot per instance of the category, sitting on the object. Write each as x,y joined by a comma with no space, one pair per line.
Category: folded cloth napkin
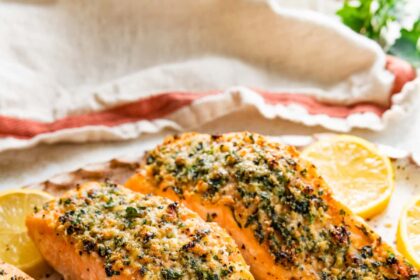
75,70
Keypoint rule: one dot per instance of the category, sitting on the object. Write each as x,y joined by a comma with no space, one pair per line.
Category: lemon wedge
408,235
16,247
359,175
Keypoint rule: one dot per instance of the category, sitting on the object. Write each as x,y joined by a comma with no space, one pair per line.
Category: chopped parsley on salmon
101,231
274,204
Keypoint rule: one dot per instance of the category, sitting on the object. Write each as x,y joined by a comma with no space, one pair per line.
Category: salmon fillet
101,231
278,209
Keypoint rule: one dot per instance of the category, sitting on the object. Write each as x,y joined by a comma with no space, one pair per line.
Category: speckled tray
407,172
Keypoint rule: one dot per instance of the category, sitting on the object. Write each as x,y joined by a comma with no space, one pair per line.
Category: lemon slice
408,235
16,247
359,175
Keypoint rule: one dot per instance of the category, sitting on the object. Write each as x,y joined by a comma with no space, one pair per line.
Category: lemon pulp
408,236
16,247
359,175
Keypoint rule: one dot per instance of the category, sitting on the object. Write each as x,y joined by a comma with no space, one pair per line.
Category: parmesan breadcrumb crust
137,236
292,227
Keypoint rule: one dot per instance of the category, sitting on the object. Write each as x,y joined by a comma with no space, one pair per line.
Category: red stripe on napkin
402,70
150,108
161,105
315,107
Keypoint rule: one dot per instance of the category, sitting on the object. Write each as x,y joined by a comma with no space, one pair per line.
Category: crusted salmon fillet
278,209
102,231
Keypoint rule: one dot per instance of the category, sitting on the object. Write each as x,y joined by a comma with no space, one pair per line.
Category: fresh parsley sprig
373,18
408,45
